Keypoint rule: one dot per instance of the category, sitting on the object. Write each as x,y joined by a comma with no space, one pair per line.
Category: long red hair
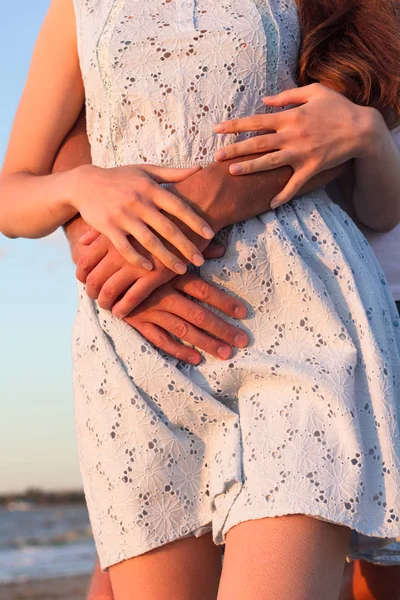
353,46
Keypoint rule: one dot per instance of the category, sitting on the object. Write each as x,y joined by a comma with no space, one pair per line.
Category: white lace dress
304,420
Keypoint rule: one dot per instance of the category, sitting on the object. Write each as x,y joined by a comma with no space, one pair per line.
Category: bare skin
366,581
36,202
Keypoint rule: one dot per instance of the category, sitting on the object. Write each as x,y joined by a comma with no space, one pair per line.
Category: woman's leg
189,568
294,557
100,585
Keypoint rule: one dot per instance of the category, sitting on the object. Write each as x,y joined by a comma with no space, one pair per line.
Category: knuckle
199,317
144,185
169,229
225,332
181,330
92,282
108,291
274,158
116,215
260,144
157,340
83,263
257,121
294,117
202,290
149,240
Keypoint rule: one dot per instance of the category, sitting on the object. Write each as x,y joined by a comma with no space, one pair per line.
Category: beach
67,588
46,552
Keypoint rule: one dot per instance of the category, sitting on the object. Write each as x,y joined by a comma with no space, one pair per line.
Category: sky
37,308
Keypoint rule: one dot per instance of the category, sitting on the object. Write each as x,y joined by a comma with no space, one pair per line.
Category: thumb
168,174
214,250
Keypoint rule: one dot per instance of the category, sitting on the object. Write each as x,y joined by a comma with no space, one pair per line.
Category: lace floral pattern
305,420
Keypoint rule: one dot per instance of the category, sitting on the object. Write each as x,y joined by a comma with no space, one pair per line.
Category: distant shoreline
65,588
36,497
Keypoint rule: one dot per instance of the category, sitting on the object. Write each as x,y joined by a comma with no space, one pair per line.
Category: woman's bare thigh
284,558
189,568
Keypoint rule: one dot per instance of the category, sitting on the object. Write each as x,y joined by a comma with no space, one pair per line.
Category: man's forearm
224,199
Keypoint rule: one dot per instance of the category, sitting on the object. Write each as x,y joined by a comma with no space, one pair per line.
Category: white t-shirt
385,245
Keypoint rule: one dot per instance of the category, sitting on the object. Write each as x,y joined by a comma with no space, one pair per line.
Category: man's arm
74,151
223,199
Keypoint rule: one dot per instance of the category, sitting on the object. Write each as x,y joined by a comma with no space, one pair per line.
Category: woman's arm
323,131
33,203
118,202
376,193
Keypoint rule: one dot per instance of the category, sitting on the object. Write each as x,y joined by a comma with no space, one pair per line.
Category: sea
44,542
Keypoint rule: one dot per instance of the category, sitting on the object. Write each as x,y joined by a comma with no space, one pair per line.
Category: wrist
202,192
371,133
76,180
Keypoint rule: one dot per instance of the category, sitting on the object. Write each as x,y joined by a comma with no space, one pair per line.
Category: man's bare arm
224,199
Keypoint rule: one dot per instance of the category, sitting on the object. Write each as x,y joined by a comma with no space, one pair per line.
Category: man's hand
168,311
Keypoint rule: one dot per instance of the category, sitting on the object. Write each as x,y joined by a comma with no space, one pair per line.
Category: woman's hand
128,200
324,130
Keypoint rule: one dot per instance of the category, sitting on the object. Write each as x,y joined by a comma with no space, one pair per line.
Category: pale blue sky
38,299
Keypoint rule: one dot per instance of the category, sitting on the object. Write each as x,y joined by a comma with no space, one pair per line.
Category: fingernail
224,352
147,265
208,233
194,360
197,259
240,311
241,340
220,155
236,169
219,128
274,204
180,268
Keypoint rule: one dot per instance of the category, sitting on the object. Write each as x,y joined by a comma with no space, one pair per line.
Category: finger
292,188
299,95
205,320
171,232
254,145
163,341
89,237
263,163
214,250
178,208
139,230
99,276
126,250
91,258
185,331
136,294
261,122
202,290
168,174
114,287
